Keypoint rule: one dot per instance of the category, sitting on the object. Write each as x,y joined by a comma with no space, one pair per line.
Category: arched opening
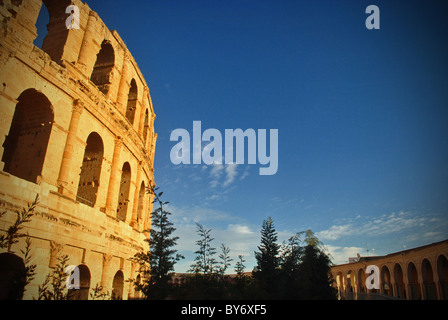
102,71
42,26
56,38
413,282
362,281
89,180
146,128
12,277
399,282
132,102
84,285
117,286
340,285
428,280
125,186
351,285
141,202
26,145
442,272
385,281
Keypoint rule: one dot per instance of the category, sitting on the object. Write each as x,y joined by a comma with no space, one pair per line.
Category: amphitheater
77,129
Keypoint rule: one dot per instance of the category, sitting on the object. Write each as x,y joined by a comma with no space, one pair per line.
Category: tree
225,259
17,285
54,286
267,258
205,261
240,267
314,271
13,234
159,261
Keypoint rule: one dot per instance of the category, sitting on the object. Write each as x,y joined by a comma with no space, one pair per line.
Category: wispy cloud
231,173
383,225
224,175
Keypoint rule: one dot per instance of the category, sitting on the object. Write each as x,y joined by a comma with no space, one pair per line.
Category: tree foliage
157,263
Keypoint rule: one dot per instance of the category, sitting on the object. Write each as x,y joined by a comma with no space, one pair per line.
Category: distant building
414,274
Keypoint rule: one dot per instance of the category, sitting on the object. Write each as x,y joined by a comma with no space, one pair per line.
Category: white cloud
231,172
335,232
340,255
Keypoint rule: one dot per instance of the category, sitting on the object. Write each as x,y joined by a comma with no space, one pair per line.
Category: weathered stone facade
77,129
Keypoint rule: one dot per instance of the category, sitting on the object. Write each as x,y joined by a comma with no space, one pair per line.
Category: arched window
146,128
25,146
102,71
385,280
117,286
362,280
141,202
399,281
442,271
413,282
89,180
42,26
132,102
428,280
125,186
84,285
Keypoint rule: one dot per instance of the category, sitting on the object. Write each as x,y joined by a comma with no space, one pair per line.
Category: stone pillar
55,252
106,280
114,181
153,149
134,223
64,186
123,89
86,48
144,106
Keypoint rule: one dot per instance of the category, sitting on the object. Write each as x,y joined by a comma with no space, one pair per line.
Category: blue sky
362,117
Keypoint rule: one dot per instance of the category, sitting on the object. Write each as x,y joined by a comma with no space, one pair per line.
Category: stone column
55,252
106,282
114,181
123,89
86,48
64,186
134,223
144,106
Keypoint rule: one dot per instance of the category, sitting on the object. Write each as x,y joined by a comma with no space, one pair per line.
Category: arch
26,145
399,282
351,285
132,102
84,285
442,272
428,280
42,25
117,286
386,281
125,186
340,284
141,202
12,277
89,180
415,292
102,71
56,38
146,128
362,280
